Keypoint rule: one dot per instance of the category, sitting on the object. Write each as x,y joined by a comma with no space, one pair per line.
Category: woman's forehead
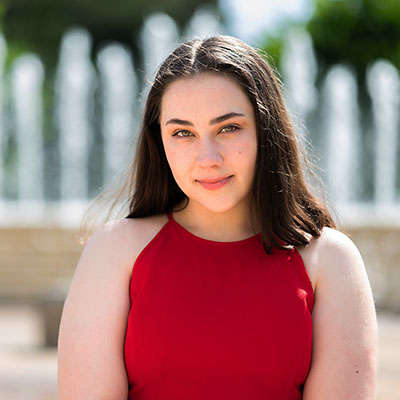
203,79
207,91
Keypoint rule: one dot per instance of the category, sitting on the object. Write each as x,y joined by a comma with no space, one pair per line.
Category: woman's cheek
172,154
178,161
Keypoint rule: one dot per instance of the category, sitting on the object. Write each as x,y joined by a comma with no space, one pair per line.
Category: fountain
76,81
3,52
342,135
27,74
299,71
384,88
75,84
119,105
158,38
203,23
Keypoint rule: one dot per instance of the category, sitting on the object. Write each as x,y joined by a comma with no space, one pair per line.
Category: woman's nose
209,154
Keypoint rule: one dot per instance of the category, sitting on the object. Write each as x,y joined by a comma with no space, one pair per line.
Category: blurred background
73,78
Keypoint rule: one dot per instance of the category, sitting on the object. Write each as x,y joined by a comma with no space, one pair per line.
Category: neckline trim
204,240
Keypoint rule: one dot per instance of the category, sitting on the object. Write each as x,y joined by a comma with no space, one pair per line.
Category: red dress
217,320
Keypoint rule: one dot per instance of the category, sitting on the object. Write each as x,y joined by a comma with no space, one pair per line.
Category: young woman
227,279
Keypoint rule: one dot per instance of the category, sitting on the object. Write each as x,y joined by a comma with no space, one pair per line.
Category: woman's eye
229,128
182,134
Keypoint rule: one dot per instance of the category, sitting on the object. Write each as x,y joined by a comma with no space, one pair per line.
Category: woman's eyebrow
212,122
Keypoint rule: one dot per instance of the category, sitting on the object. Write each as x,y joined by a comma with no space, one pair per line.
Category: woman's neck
231,225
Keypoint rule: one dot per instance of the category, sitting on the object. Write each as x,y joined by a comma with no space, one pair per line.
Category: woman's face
208,130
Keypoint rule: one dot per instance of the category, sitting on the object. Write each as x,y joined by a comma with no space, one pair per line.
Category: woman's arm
93,324
344,360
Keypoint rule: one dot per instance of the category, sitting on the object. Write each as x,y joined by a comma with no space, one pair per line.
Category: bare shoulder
127,237
98,301
344,321
332,253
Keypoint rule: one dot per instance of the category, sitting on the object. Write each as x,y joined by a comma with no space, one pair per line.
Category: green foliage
353,32
2,10
272,47
356,32
38,25
273,43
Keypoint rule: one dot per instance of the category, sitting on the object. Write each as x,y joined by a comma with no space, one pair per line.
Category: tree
356,32
38,25
353,32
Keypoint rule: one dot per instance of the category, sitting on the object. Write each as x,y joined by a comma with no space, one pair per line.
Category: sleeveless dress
217,320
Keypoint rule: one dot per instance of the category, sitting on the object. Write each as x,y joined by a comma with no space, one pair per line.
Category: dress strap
169,214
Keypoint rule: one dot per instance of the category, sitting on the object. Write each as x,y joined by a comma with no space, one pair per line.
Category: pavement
28,370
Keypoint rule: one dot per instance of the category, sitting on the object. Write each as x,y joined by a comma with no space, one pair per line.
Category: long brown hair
281,202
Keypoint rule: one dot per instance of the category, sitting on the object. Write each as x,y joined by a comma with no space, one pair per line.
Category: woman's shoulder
332,255
330,239
126,237
344,319
126,227
98,301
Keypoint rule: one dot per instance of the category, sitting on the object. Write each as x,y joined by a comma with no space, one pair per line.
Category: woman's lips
212,184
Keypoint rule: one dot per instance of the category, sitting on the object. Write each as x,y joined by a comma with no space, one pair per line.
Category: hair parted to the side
281,201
